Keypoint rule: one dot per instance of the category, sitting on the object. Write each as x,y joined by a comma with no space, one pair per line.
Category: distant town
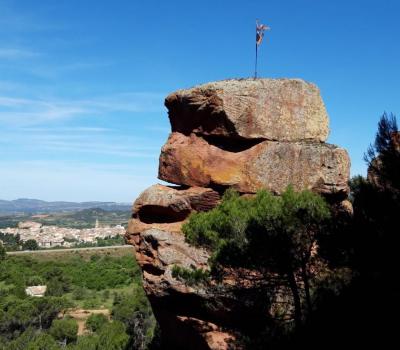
50,236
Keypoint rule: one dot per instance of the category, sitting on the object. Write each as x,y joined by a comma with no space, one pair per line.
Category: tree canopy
265,232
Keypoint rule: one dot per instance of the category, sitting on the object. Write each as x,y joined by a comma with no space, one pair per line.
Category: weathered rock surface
171,204
193,161
273,109
245,134
155,228
158,251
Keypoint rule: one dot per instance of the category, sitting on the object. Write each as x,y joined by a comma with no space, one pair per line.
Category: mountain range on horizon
36,206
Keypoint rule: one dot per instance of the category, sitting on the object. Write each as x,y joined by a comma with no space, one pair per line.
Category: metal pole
255,71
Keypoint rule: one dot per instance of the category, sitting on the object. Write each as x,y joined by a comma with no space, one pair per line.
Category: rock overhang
192,161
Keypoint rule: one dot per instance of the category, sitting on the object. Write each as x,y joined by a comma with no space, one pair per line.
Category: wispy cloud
14,53
16,21
10,86
72,146
77,142
24,112
65,129
52,70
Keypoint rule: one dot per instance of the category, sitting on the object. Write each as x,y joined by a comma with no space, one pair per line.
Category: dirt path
81,315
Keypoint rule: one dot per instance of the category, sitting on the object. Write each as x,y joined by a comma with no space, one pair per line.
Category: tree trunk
306,286
296,298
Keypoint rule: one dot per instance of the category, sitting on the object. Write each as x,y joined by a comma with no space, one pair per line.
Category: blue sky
82,82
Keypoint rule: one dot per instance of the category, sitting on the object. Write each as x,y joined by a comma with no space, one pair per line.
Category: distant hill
36,206
85,218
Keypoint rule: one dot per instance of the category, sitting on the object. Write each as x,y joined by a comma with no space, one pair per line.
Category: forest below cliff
103,293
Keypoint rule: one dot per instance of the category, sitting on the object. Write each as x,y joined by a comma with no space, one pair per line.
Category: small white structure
36,291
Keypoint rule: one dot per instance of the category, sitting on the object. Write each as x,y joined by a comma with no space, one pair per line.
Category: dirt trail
81,315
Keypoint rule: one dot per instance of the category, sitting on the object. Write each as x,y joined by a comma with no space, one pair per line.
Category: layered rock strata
246,134
194,161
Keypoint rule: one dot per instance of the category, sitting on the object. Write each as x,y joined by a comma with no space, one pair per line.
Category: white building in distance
36,291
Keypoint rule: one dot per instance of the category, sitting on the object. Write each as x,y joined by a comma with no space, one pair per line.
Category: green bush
113,336
190,276
134,311
96,321
87,342
91,303
226,222
80,293
43,341
105,295
2,252
32,340
30,244
34,280
64,330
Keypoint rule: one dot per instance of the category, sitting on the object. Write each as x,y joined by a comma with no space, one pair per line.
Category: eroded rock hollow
246,134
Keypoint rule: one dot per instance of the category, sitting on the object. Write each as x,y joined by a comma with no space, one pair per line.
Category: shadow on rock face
234,145
150,214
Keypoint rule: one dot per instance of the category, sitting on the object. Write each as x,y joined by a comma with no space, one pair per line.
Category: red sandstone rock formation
271,109
246,134
191,160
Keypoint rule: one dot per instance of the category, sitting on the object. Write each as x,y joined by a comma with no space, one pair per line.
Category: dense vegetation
93,282
277,235
267,233
10,242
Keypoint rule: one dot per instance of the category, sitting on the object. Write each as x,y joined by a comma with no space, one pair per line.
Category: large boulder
165,204
155,227
193,161
271,109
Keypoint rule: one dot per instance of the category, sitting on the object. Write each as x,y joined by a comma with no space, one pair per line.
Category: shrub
30,244
113,336
96,321
190,276
64,330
